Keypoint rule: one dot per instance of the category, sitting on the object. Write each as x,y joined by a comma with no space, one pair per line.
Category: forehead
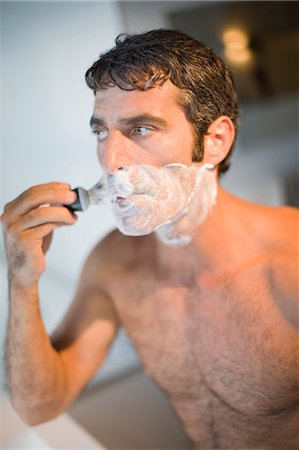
160,100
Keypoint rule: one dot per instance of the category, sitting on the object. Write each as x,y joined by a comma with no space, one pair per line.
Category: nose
115,153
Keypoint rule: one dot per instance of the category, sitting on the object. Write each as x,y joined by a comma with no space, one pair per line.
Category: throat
179,264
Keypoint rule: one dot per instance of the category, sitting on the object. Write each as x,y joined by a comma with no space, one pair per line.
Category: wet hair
143,61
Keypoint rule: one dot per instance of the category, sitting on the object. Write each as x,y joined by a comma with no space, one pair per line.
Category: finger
50,193
41,231
40,216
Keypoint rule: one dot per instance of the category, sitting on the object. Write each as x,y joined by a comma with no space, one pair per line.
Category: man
209,303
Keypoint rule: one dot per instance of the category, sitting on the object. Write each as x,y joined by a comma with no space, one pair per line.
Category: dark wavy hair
143,61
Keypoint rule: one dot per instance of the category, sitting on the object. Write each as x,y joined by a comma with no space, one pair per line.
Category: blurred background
46,47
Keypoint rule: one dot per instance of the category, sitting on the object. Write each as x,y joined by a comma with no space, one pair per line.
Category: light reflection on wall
236,46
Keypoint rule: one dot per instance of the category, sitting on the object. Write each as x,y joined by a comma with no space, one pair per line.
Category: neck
213,247
214,238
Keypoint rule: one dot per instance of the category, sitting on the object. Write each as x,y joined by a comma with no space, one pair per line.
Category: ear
218,140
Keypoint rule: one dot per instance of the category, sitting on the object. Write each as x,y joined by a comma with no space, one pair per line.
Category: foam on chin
171,200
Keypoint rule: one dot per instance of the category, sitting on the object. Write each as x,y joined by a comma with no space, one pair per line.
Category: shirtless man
212,309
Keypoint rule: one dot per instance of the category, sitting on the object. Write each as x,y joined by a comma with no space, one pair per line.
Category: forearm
35,372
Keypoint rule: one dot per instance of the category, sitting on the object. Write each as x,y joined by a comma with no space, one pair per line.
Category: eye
100,134
142,130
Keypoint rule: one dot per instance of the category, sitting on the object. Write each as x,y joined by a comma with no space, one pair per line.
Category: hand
28,223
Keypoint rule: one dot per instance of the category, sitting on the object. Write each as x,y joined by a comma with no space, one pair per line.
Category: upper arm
83,337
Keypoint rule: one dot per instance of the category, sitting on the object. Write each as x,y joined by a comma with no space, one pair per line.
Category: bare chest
218,353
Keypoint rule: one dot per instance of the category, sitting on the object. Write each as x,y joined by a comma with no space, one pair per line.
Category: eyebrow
142,118
96,121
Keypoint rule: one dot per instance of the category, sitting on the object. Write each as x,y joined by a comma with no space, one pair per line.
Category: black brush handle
76,205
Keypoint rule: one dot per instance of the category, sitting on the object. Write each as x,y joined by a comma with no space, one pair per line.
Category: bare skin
214,322
219,342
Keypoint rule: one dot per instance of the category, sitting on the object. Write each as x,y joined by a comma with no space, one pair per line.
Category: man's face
141,127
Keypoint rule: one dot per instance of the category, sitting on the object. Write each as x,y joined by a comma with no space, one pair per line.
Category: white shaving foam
171,200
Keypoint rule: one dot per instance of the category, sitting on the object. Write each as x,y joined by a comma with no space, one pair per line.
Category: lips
120,202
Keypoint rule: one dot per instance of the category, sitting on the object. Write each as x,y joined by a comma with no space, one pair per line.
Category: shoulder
283,232
275,228
287,217
274,236
284,261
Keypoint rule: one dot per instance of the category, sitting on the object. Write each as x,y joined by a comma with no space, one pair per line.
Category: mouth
120,201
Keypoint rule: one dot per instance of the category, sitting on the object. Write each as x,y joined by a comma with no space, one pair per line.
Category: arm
46,374
43,380
83,338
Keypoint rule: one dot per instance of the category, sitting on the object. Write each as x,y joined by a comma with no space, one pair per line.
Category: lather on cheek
151,196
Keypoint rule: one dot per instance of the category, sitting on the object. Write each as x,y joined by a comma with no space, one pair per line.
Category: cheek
180,147
171,149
